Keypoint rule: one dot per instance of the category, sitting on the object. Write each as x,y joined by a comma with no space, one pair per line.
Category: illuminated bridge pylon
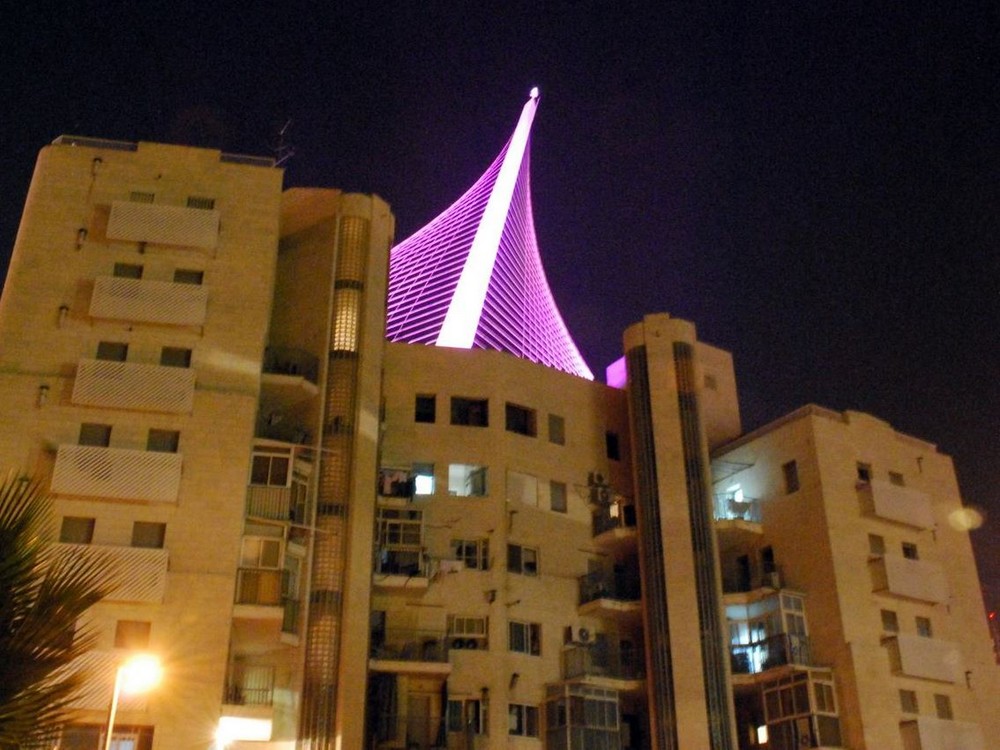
473,276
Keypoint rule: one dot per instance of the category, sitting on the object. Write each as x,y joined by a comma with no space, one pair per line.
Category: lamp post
137,674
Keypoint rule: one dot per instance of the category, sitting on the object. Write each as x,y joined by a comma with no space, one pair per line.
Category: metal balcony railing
727,508
274,503
286,360
162,302
602,585
161,224
262,586
290,619
601,660
775,651
614,516
137,574
127,385
93,471
249,685
410,645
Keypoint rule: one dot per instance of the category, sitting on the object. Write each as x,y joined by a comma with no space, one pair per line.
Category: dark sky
815,186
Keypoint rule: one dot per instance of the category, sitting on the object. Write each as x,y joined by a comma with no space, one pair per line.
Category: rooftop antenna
283,151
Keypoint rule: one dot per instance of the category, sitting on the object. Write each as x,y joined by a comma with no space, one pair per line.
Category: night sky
816,187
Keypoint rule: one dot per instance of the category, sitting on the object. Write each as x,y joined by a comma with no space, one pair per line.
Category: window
260,552
112,351
611,446
876,545
522,488
924,627
188,276
910,551
399,543
475,553
197,201
864,472
826,698
270,469
425,409
132,634
128,271
137,196
467,716
942,705
557,429
468,632
472,412
908,701
466,480
148,534
525,638
521,419
711,383
163,441
896,478
890,622
175,356
95,434
522,721
523,560
423,479
76,530
557,496
791,472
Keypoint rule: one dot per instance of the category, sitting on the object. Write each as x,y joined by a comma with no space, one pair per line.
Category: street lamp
135,675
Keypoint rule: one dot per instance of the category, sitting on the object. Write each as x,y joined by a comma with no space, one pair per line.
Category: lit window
791,472
557,429
523,560
470,412
525,638
942,705
76,530
475,553
890,622
557,496
910,551
908,701
425,409
522,721
924,627
423,479
520,419
347,303
466,480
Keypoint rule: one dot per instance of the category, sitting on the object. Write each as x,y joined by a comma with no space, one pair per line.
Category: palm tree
42,594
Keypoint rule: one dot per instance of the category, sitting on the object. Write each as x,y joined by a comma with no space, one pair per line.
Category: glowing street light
138,674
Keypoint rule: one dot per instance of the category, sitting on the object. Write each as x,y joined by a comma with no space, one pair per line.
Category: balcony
126,385
163,225
783,649
932,733
734,510
275,504
137,574
910,579
610,594
415,652
928,658
401,567
894,503
613,525
605,666
158,302
263,594
116,473
95,692
249,685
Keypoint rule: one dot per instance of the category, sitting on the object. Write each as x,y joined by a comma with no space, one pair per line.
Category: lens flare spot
965,519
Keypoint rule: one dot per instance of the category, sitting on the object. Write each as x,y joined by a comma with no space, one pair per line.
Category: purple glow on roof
473,276
615,374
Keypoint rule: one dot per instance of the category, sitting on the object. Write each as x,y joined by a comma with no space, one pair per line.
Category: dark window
128,271
269,470
163,441
890,622
523,560
148,534
557,429
521,419
767,564
522,721
76,530
175,356
942,705
525,638
910,551
112,351
557,496
196,201
908,701
132,634
188,276
612,446
876,544
791,472
425,409
896,478
95,434
139,197
475,553
924,627
472,412
711,383
864,472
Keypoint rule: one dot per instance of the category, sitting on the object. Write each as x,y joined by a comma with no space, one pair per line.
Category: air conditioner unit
451,566
581,634
465,643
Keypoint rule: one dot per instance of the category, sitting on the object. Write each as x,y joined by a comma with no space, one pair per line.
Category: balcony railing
895,503
127,385
262,586
602,585
249,685
929,658
614,516
274,503
932,733
137,574
401,561
912,579
286,360
776,651
415,732
728,508
162,302
163,225
410,645
600,660
117,473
